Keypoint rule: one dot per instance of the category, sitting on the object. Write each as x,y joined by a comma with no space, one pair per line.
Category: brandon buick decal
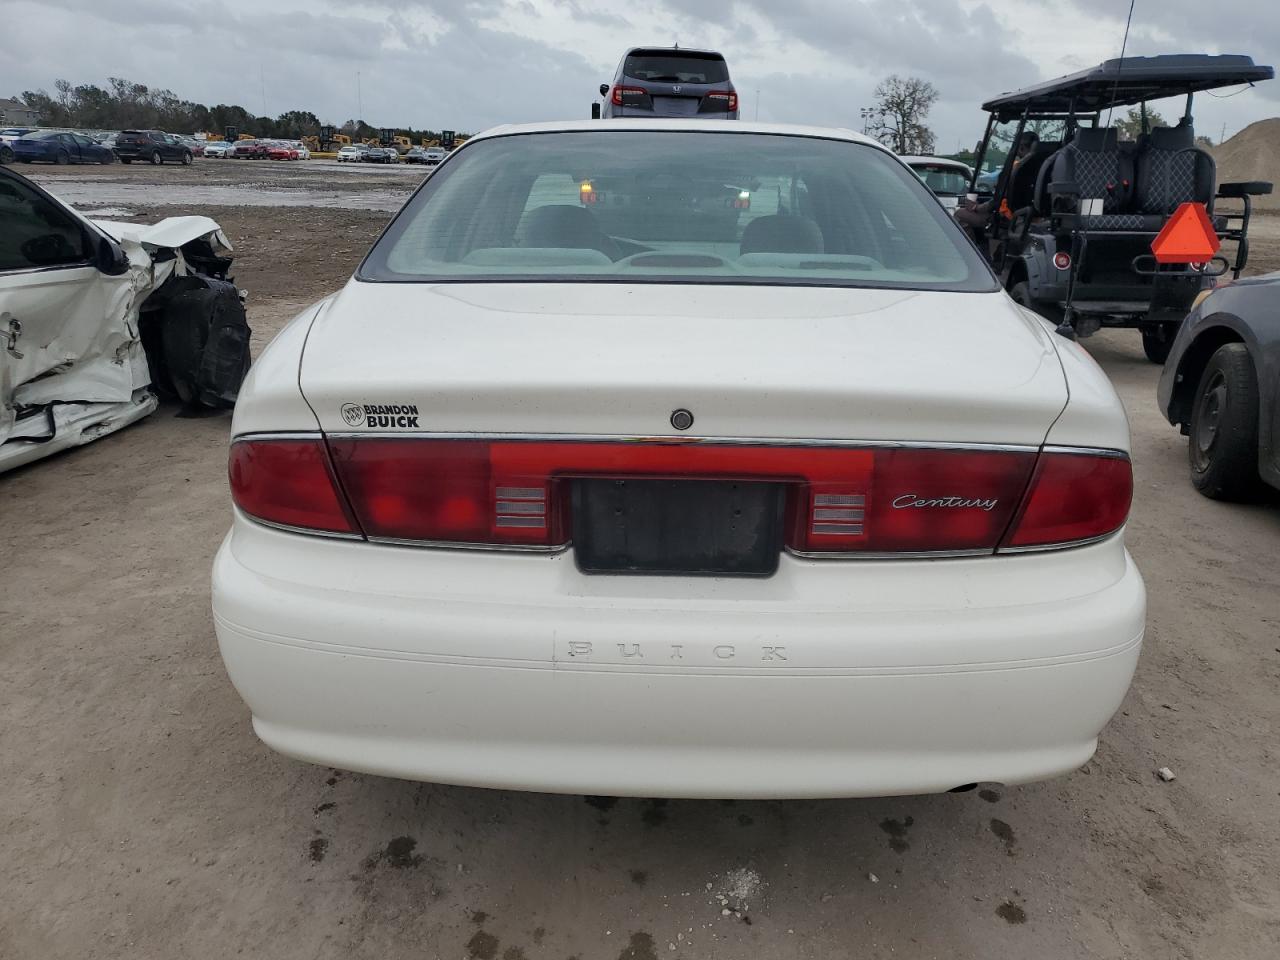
402,416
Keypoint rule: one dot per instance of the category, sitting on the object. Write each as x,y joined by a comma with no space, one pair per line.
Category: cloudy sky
471,64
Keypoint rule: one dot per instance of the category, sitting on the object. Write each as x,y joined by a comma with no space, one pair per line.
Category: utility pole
757,103
359,102
262,78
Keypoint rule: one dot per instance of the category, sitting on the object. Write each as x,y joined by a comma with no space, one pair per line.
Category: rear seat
1140,184
1094,167
1171,171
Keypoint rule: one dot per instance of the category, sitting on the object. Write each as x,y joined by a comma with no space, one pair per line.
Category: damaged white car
96,317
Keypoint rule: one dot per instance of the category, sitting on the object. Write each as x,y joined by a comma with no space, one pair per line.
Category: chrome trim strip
283,435
677,440
1054,547
307,531
1088,451
482,547
906,555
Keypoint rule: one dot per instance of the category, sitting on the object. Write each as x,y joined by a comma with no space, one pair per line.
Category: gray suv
671,82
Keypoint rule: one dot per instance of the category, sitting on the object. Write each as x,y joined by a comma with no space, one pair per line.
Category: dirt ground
140,817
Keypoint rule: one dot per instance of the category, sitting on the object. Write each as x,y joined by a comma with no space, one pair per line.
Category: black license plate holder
677,527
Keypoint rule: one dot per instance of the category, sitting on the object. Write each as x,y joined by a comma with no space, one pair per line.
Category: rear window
942,179
676,206
676,68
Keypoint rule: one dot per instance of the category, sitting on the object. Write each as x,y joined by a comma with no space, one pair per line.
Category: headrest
1096,139
1172,138
782,233
561,225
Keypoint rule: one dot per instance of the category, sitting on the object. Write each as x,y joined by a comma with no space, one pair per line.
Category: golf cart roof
1124,82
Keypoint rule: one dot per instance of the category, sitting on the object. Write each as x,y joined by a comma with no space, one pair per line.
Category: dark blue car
671,82
49,146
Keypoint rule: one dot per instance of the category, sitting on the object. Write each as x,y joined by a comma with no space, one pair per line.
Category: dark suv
155,146
670,82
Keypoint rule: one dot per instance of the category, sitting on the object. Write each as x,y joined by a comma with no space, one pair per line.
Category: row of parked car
257,150
31,145
368,153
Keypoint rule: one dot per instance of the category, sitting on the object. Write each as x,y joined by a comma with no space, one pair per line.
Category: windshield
943,179
676,206
40,135
676,68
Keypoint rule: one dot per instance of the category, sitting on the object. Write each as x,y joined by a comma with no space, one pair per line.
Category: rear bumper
827,679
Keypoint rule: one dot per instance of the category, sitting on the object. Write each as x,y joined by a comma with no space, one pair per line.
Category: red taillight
448,491
620,93
914,501
726,99
840,499
287,482
1073,497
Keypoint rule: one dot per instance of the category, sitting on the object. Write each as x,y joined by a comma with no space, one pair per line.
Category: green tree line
125,105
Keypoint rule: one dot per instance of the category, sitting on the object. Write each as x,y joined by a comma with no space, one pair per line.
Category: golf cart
1074,214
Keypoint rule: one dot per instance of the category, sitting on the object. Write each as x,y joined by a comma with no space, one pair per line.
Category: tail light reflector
289,483
1073,497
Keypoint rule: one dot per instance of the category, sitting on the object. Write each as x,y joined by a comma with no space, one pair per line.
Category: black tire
187,159
62,158
6,155
1157,342
1021,293
156,159
108,159
1223,443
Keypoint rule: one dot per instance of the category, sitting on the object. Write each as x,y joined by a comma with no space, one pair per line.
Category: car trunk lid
747,361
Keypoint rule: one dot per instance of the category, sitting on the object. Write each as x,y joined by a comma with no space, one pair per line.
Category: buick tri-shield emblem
676,88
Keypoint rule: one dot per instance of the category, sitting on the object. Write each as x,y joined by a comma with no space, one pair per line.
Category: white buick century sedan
676,458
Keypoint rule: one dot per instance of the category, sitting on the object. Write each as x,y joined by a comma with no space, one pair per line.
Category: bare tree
903,104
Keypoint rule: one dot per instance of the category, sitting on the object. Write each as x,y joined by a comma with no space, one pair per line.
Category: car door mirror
604,89
110,258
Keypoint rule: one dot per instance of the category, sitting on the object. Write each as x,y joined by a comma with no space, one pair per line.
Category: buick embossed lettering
891,540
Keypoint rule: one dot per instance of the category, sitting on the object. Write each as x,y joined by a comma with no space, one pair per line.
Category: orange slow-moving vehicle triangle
1188,237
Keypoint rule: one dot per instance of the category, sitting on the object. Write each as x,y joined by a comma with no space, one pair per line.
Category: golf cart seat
1170,171
1092,166
1025,179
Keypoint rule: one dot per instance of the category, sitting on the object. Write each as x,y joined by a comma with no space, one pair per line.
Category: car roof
1123,82
680,125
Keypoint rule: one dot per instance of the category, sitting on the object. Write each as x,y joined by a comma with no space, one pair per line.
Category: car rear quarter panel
270,399
1093,415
